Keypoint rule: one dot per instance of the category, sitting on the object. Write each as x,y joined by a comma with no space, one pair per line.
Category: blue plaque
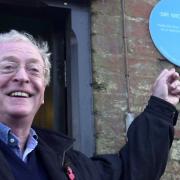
164,27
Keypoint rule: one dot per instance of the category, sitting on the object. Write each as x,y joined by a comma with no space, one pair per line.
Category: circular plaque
164,27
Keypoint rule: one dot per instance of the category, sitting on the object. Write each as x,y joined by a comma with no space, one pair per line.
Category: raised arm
167,86
150,136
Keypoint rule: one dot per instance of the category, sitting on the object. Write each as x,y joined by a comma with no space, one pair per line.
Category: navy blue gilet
33,169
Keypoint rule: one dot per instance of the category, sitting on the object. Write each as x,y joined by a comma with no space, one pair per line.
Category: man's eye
8,68
34,69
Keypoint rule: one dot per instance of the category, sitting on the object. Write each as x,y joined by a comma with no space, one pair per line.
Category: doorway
66,26
47,24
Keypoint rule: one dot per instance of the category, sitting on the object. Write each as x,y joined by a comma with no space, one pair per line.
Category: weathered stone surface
111,44
111,8
110,62
137,28
172,171
104,24
141,47
110,126
175,153
138,8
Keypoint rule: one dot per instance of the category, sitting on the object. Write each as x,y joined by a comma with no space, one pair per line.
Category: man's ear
42,101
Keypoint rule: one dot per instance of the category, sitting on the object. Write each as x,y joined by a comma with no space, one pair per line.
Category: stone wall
124,67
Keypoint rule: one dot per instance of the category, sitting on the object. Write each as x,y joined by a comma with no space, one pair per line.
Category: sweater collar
53,145
54,141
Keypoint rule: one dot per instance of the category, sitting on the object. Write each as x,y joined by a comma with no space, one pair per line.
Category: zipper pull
70,173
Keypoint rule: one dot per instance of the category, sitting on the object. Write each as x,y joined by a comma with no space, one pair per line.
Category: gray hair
42,47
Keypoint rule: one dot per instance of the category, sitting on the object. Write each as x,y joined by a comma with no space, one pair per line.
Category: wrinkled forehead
20,50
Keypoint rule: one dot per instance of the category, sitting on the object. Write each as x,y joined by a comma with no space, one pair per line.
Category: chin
19,114
20,111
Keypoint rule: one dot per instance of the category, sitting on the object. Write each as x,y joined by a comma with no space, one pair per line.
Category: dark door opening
49,24
66,26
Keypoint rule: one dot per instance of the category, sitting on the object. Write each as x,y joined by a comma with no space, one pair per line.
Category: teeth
19,94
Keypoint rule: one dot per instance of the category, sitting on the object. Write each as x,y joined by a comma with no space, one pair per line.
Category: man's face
21,80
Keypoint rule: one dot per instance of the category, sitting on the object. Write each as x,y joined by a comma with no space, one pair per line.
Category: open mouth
20,94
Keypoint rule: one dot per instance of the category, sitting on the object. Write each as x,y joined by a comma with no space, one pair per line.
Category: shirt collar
33,134
4,133
10,138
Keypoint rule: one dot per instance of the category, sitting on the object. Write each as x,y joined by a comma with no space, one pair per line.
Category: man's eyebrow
9,58
33,60
15,59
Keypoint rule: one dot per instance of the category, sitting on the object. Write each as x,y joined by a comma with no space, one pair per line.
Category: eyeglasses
11,67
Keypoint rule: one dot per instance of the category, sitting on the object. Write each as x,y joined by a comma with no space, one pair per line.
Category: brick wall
110,78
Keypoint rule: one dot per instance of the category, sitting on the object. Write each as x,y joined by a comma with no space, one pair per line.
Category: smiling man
22,86
27,153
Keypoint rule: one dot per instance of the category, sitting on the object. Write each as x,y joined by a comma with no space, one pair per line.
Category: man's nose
21,75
